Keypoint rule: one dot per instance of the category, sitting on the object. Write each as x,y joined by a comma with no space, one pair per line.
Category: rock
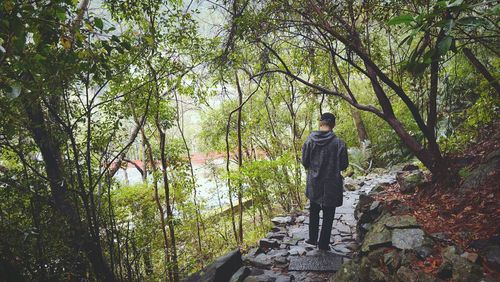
409,180
374,240
449,253
484,244
350,184
408,258
445,270
462,269
404,274
278,236
363,205
492,257
376,275
342,249
423,251
282,220
221,270
279,229
440,236
259,278
377,188
410,167
479,175
277,253
377,256
280,262
392,260
292,241
326,262
240,275
472,257
254,252
349,272
300,219
297,251
424,277
268,244
407,238
402,221
261,261
378,236
374,206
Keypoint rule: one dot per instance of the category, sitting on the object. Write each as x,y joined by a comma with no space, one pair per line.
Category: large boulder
221,270
407,238
378,235
479,175
240,275
409,180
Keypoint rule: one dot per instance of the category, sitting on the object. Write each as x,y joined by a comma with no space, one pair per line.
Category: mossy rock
378,236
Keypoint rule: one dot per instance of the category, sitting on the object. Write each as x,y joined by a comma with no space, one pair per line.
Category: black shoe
322,248
310,242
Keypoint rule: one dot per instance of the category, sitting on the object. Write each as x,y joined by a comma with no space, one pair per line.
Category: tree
333,30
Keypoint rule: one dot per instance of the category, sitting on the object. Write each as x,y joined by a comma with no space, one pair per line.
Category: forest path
284,256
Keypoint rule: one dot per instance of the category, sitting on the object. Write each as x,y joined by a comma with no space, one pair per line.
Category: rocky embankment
394,247
283,254
373,239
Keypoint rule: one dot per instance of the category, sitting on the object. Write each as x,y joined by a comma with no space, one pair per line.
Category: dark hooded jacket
324,155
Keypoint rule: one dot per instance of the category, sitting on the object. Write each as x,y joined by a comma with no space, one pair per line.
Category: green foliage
360,158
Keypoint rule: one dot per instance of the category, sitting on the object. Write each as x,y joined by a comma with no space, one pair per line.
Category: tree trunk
481,69
53,160
170,215
240,159
158,204
360,125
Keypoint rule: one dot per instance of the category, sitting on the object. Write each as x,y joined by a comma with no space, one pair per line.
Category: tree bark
481,69
240,158
53,160
360,125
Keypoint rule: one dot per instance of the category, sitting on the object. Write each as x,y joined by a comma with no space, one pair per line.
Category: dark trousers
326,227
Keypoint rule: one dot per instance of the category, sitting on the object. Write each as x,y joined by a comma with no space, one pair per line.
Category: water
210,193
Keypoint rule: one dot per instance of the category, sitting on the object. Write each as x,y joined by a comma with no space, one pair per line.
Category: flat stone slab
322,262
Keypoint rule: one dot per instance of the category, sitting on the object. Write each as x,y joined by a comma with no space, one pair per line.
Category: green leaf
406,19
61,14
455,3
472,21
98,23
495,10
427,59
126,45
408,39
444,45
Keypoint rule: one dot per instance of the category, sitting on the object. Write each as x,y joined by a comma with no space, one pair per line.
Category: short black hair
327,119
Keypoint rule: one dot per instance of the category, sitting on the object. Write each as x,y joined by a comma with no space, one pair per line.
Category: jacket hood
322,137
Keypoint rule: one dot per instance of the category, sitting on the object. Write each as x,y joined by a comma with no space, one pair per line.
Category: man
324,155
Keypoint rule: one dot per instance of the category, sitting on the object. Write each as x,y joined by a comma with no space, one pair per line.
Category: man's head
326,122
